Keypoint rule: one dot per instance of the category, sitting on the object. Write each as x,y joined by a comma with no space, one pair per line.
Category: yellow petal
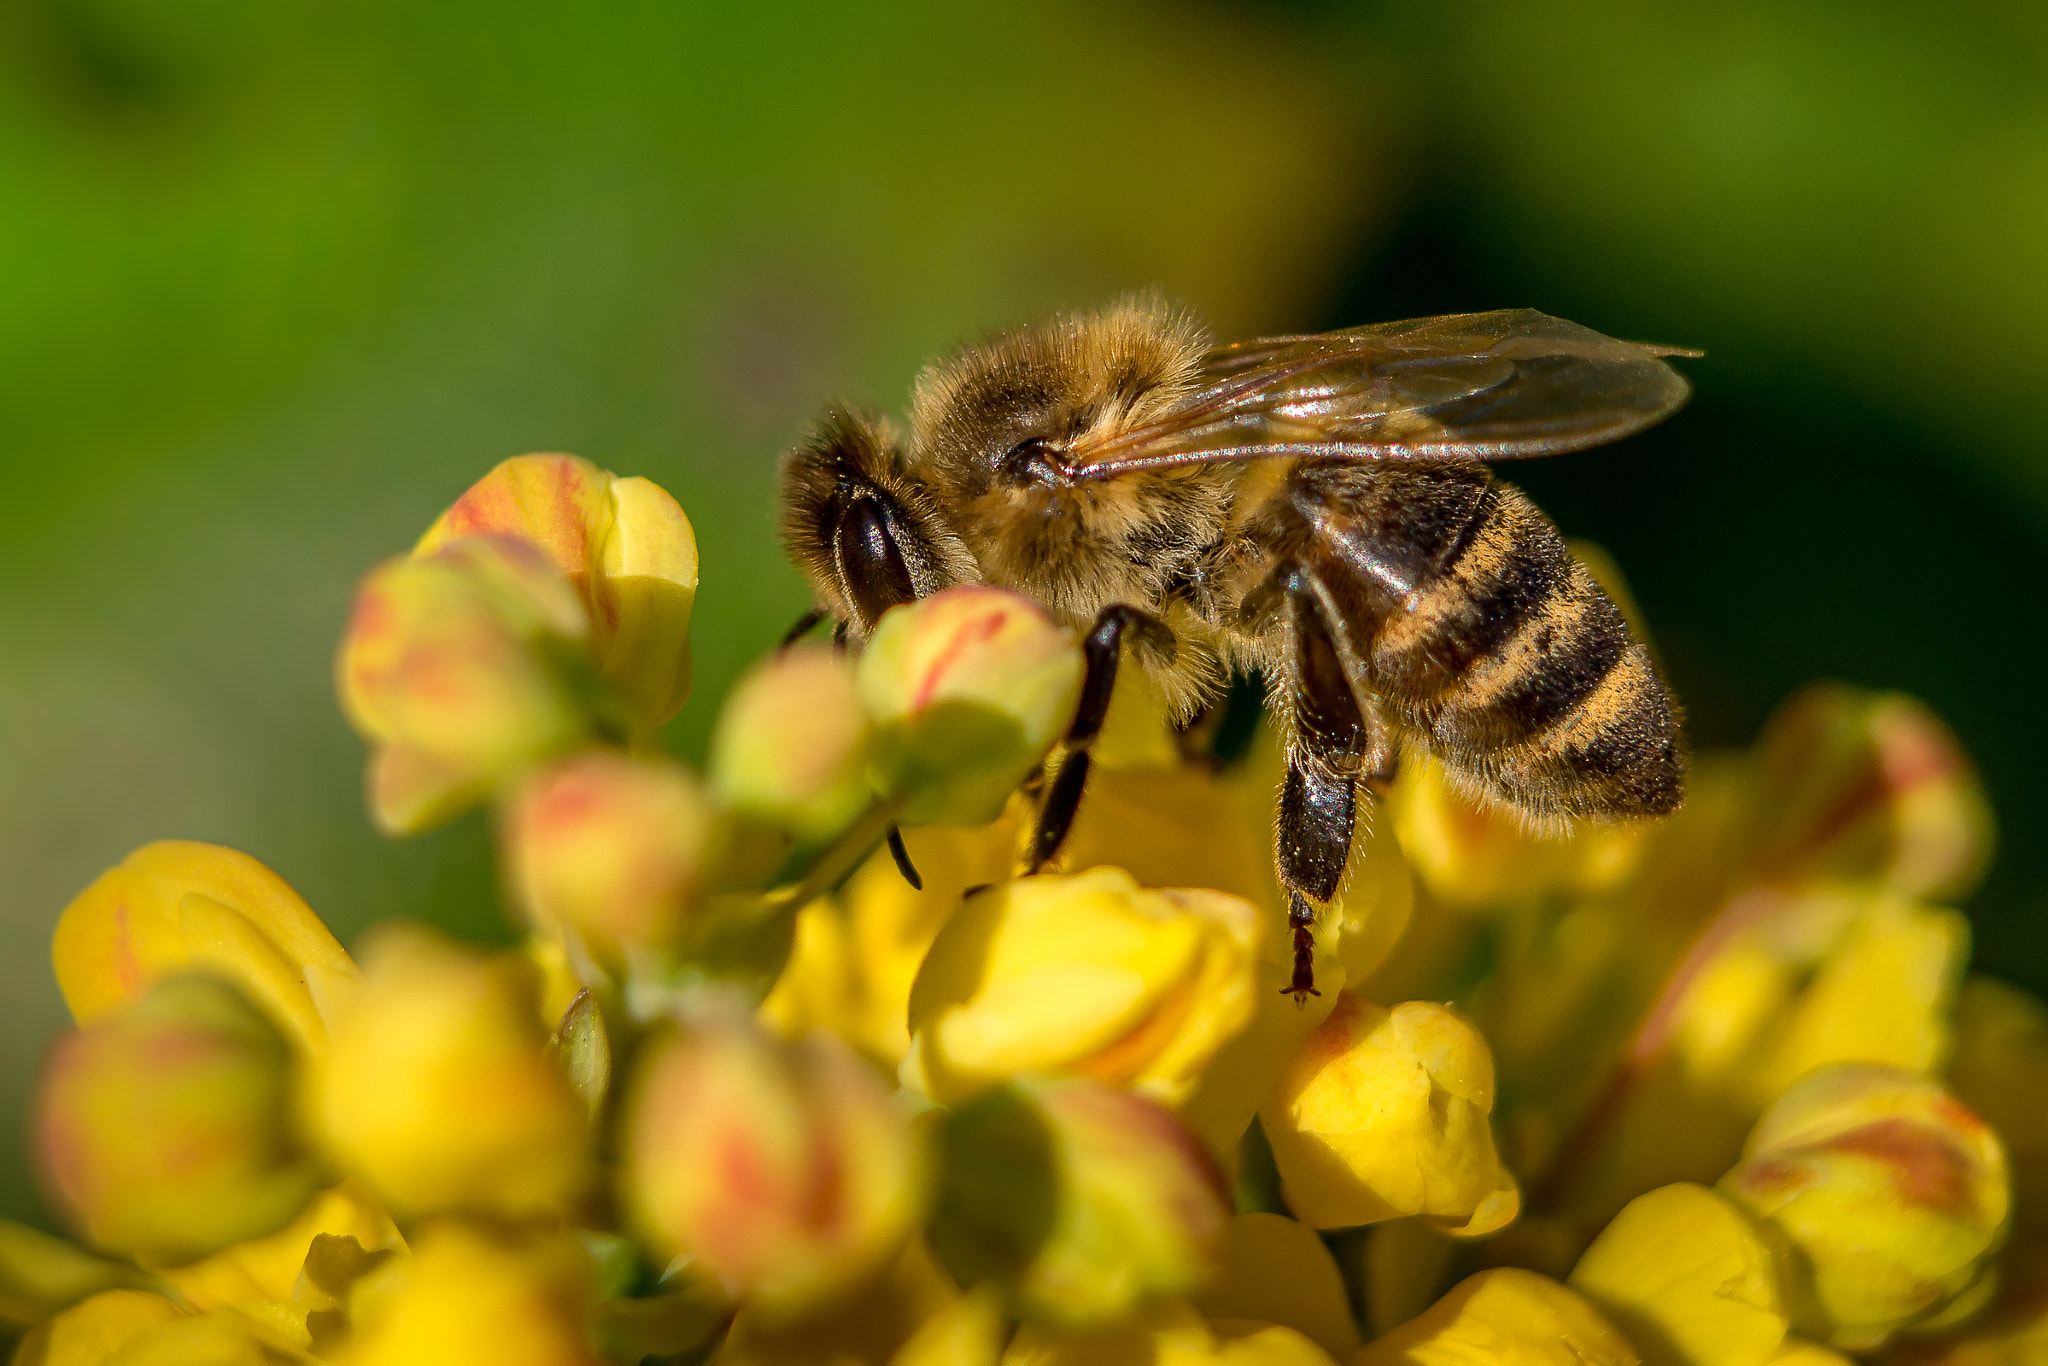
1276,1270
1686,1276
1503,1317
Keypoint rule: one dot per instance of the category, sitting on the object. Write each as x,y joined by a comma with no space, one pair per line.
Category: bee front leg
1100,652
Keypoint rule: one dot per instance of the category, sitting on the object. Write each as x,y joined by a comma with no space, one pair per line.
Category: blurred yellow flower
1894,1195
178,905
968,689
783,1170
913,1299
1383,1114
623,544
1276,1270
1685,1274
609,849
165,1130
1083,1201
792,744
1088,973
90,1332
461,669
1503,1317
1872,786
436,1091
465,1296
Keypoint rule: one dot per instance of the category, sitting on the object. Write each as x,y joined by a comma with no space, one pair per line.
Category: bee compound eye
871,564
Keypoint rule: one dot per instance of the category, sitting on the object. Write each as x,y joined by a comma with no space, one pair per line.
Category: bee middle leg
1100,652
1336,743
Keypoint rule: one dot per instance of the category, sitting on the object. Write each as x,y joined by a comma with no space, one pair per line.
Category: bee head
862,528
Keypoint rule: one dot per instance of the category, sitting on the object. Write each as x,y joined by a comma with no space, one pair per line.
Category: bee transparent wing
1474,386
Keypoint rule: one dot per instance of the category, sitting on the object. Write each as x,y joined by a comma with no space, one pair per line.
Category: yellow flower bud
968,689
165,1130
1383,1114
90,1332
1503,1317
1894,1195
623,544
461,669
1683,1272
466,1298
177,906
784,1170
791,745
1090,974
436,1089
1083,1201
967,1332
1276,1270
1861,785
610,849
1168,1335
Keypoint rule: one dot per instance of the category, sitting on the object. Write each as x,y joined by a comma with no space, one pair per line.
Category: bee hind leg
1335,742
1100,652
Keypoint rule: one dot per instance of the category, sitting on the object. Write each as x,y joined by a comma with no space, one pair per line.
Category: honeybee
1313,509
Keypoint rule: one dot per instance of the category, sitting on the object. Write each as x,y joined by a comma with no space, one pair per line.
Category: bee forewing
1474,386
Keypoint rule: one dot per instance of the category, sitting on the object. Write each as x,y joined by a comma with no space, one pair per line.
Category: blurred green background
278,280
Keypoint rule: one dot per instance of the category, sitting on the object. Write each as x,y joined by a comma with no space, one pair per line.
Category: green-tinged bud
91,1332
783,1170
1503,1317
1859,785
1893,1194
1689,1278
165,1130
968,689
437,1089
626,548
1384,1114
468,1297
1276,1270
1083,1201
791,747
462,668
40,1274
1090,974
610,849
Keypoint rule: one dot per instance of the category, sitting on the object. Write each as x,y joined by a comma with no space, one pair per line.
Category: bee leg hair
1100,652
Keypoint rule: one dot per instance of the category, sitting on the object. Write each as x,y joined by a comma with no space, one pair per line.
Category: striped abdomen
1485,639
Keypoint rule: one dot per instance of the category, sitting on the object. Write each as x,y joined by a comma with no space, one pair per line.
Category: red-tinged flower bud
1859,785
626,548
968,689
609,848
1894,1194
165,1130
1083,1201
791,746
462,668
784,1170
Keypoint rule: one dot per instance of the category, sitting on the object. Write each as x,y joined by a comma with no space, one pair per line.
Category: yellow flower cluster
758,1090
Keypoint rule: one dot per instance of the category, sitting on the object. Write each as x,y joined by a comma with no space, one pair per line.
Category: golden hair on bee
991,424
